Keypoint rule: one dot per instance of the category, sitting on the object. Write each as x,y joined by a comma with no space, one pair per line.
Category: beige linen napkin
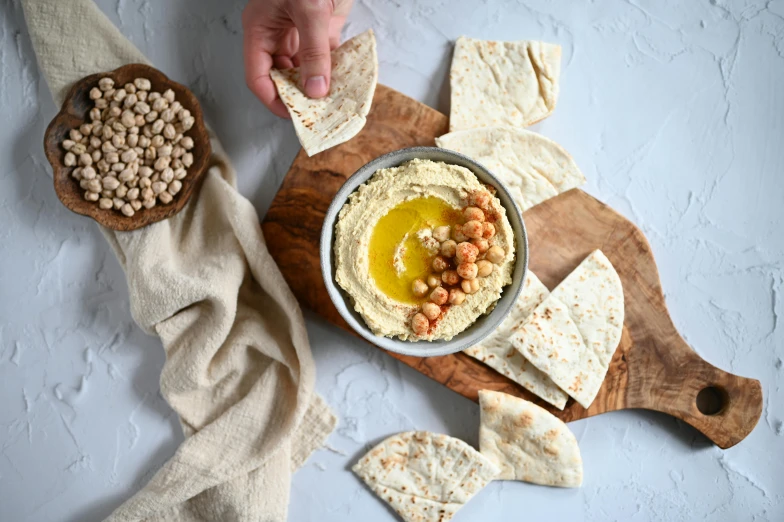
238,369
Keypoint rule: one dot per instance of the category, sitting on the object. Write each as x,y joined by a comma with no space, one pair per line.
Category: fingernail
316,87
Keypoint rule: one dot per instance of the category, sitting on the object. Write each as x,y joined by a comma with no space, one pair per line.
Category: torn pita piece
498,353
527,442
503,83
532,167
572,335
425,476
326,122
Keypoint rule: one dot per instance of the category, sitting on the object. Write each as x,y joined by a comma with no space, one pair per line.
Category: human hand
291,33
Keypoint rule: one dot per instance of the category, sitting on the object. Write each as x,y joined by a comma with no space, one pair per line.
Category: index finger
258,63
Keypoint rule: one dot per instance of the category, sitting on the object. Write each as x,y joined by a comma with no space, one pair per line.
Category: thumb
315,65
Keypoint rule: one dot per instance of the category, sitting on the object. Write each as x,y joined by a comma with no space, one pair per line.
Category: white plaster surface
674,111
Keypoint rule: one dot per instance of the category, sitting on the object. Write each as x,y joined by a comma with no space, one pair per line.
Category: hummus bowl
486,323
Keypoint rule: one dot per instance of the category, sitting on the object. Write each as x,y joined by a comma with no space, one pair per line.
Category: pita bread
503,83
527,442
321,124
425,476
532,167
572,335
498,353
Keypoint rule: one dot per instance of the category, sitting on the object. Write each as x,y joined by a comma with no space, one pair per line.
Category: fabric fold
239,371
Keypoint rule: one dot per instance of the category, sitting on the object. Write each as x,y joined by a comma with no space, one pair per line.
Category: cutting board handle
723,406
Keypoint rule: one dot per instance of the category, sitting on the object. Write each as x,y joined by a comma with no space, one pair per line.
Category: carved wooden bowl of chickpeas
128,148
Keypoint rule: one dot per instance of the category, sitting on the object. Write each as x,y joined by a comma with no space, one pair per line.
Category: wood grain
75,111
653,367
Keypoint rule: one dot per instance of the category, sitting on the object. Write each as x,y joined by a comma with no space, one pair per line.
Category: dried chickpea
130,101
84,183
176,163
133,194
101,104
431,310
148,203
143,84
118,167
88,173
105,84
76,173
95,93
177,152
136,205
121,191
162,163
142,95
168,95
168,116
165,198
117,203
129,88
78,148
167,175
147,194
187,144
91,196
105,203
68,144
160,105
187,159
75,135
188,123
151,117
168,131
144,183
70,159
127,209
86,129
158,187
179,173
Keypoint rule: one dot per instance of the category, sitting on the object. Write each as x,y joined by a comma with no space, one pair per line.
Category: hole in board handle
711,400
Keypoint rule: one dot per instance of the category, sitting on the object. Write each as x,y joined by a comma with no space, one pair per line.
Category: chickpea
165,198
450,277
433,281
484,268
127,209
105,203
175,187
440,233
473,229
470,286
149,203
419,288
495,254
481,244
91,196
70,159
467,270
466,253
473,214
420,325
431,311
482,199
440,264
489,230
458,235
439,295
456,296
448,248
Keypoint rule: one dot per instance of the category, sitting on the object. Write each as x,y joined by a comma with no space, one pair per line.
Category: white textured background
674,111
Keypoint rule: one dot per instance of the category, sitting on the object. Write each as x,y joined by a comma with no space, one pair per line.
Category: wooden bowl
75,111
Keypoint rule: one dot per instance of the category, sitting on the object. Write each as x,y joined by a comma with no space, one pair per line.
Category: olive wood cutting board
653,367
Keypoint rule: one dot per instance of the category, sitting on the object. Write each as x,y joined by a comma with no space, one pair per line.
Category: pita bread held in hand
425,476
326,122
572,335
527,442
532,167
503,83
498,353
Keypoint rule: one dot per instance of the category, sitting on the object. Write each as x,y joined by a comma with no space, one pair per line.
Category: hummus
382,245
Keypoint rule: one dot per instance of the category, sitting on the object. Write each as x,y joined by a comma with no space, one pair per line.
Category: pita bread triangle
527,442
503,83
532,167
324,123
572,335
497,350
425,476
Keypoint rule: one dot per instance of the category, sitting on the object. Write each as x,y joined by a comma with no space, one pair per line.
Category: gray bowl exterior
486,324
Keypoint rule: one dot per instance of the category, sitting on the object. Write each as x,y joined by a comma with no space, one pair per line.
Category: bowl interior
486,323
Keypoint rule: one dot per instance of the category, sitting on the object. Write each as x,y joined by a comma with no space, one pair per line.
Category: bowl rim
480,329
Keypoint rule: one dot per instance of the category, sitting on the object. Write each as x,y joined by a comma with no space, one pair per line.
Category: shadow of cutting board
653,367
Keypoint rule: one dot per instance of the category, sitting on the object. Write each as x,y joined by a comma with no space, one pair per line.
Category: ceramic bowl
486,323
